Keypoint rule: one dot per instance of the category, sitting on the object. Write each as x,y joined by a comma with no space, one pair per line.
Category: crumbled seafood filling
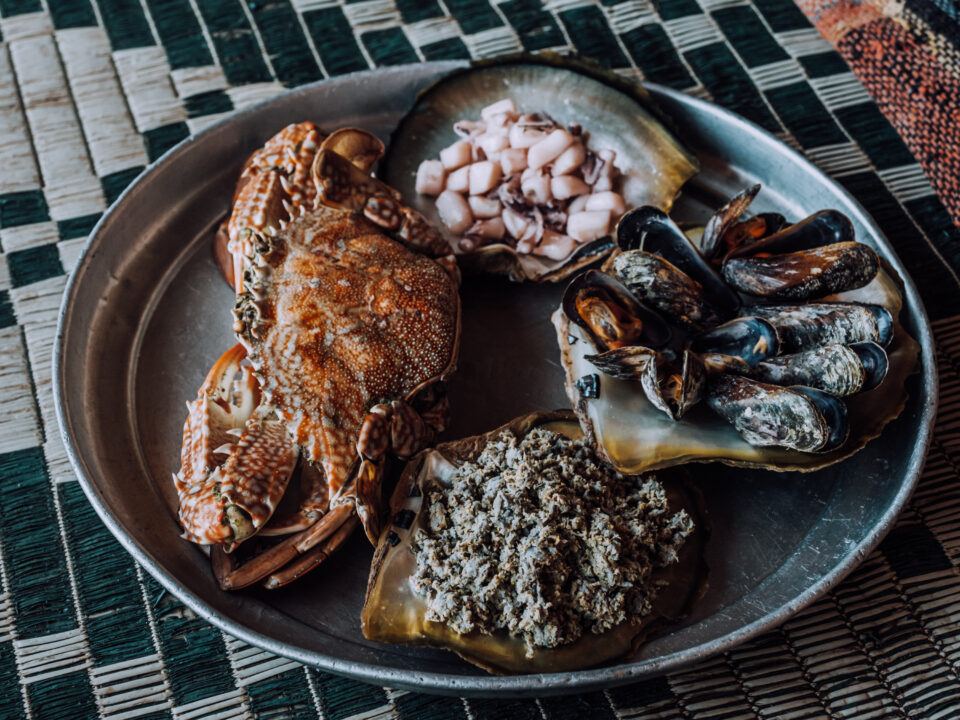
542,539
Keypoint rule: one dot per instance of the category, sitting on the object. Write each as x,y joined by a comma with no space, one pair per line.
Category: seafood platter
519,360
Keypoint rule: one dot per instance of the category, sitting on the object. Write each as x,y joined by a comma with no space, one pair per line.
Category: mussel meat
611,314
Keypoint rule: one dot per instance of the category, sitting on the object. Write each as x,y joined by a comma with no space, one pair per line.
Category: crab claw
235,460
395,428
342,184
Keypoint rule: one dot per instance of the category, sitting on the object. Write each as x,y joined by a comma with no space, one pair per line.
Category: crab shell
635,437
337,317
393,613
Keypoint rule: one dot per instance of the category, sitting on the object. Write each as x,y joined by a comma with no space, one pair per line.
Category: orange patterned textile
907,54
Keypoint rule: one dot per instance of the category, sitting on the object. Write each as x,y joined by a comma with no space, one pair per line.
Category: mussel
751,339
798,418
393,611
840,370
802,327
804,261
619,115
776,372
610,313
663,268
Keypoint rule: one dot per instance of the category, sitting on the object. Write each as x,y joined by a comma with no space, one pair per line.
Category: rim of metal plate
546,683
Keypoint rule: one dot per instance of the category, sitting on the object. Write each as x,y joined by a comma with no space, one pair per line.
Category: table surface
91,91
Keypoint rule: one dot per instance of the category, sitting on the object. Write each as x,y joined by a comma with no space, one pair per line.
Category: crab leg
309,560
235,460
286,551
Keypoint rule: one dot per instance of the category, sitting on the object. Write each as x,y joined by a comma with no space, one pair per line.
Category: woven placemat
92,90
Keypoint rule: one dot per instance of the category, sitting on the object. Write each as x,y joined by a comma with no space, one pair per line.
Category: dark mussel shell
770,415
840,370
806,274
803,327
712,241
826,227
751,339
752,230
672,392
673,293
625,363
875,363
651,230
834,413
611,314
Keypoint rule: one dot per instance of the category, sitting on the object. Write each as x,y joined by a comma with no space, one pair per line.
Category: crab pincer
236,461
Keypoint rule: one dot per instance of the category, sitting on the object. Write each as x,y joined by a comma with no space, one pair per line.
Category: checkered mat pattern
92,90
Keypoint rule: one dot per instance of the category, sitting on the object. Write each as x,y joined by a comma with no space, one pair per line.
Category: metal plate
146,313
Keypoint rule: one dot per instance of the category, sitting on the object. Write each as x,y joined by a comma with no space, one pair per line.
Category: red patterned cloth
907,54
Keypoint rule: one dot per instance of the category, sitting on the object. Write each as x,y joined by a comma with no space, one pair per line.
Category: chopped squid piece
523,180
459,180
492,143
568,186
457,155
454,211
554,245
578,204
523,136
430,176
537,188
484,176
484,207
590,225
513,160
569,160
504,106
549,148
516,224
606,201
491,228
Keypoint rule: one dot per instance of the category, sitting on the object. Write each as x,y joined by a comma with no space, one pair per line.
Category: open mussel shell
751,339
652,231
635,436
617,114
610,313
393,613
719,224
840,370
826,227
674,391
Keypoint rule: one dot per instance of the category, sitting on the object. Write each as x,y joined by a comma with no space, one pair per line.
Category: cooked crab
346,337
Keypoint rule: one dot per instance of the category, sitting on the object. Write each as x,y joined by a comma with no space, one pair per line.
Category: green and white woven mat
92,90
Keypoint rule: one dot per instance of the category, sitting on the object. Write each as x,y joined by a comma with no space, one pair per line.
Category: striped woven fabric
93,90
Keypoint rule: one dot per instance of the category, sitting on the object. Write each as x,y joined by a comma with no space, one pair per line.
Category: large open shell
636,437
617,114
393,613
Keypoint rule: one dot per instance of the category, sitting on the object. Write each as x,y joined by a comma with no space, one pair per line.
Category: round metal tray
146,313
